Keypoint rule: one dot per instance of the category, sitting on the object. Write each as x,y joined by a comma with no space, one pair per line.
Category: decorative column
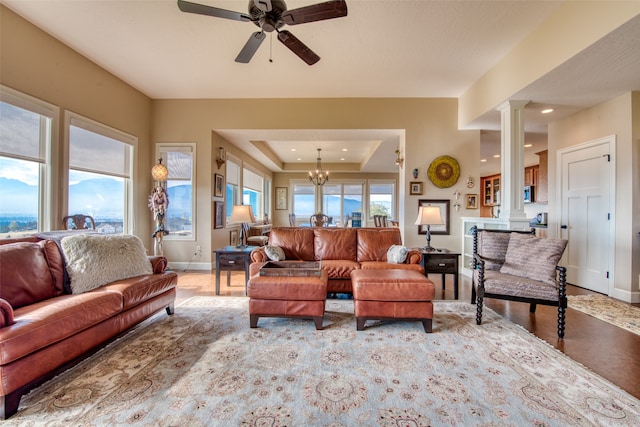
512,160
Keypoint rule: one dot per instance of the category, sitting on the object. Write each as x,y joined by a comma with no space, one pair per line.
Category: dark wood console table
442,261
233,258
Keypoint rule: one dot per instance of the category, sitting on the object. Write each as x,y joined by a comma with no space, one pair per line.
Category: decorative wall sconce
457,195
222,157
399,160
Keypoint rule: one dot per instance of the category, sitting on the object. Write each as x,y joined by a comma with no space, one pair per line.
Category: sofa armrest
6,313
259,255
414,256
158,263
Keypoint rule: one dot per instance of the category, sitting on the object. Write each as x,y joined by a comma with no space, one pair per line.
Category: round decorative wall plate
444,171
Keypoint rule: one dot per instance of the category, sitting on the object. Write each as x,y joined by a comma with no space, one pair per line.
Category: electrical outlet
198,248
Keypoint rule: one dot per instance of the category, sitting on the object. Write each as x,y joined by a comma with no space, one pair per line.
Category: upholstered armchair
517,266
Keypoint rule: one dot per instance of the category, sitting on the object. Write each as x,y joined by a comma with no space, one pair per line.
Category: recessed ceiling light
345,149
528,145
293,149
547,111
483,160
342,159
299,158
496,155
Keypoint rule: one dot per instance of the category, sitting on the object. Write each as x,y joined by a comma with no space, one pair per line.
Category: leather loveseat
44,329
341,250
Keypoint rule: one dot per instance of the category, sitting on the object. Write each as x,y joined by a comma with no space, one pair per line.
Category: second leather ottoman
392,294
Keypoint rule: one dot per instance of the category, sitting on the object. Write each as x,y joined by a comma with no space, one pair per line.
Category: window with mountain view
25,136
381,198
341,199
180,212
100,165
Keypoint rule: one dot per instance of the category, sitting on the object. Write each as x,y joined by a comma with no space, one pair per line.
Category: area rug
607,309
204,366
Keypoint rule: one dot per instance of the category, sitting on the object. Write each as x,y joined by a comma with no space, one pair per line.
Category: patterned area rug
607,309
204,366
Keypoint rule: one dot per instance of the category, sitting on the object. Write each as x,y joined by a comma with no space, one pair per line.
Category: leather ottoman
285,296
392,294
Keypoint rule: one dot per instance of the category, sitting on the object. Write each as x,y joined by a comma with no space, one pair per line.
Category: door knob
564,226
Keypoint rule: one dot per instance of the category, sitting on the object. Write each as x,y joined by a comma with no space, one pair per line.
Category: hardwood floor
607,350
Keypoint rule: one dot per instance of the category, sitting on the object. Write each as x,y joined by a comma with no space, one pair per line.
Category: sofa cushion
95,260
334,243
493,247
136,290
533,257
397,254
275,253
296,242
373,243
30,272
383,265
43,323
339,269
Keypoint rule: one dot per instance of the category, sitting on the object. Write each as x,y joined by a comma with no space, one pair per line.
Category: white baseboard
198,266
626,296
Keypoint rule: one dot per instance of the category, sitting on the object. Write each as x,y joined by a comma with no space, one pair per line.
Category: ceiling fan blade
250,47
297,47
263,5
202,9
315,12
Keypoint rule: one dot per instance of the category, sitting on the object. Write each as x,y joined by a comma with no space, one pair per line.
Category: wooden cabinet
491,190
531,175
542,190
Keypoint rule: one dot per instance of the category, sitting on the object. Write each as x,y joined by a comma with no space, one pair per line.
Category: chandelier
318,177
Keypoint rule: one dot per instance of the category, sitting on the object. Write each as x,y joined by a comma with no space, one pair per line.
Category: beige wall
35,63
430,131
619,117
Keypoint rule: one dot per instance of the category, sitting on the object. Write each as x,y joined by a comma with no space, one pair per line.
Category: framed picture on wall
472,201
233,238
444,213
415,188
218,185
218,214
281,198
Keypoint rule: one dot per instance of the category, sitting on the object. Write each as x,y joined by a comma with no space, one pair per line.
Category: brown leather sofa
341,250
44,329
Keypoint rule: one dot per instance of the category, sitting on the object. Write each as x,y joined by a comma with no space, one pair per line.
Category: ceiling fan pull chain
271,47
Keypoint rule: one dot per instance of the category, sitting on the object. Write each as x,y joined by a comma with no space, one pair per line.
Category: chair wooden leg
473,293
479,301
360,324
170,309
532,308
318,321
253,320
427,324
561,321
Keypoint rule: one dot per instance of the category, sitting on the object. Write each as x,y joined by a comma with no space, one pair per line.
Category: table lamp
429,215
242,214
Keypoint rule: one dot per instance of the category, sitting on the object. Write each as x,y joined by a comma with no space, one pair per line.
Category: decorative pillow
397,254
95,260
275,253
533,257
493,246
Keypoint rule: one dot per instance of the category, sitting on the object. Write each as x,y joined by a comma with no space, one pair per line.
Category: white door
586,214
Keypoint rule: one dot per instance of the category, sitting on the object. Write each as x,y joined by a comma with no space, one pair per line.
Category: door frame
611,141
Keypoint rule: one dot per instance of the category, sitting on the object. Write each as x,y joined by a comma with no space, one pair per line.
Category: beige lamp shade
159,172
429,215
242,213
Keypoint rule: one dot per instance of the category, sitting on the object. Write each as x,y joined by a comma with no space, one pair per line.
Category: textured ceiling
401,48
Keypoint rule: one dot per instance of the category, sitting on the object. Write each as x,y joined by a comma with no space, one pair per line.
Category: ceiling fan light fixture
318,177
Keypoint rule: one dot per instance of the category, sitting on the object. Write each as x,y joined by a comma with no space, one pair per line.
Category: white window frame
342,183
77,120
394,196
257,215
48,179
183,147
237,162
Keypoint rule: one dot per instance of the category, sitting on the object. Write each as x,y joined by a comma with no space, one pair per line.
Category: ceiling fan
272,15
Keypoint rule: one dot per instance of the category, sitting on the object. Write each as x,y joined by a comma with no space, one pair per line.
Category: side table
232,258
442,261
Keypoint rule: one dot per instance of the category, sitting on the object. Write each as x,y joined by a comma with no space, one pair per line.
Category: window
341,199
233,185
381,198
267,197
26,132
304,200
100,169
252,187
180,216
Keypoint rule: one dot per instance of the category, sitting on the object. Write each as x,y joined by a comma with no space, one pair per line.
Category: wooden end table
233,258
442,261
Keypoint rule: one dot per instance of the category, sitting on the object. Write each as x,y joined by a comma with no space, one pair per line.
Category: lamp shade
159,172
429,215
242,213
